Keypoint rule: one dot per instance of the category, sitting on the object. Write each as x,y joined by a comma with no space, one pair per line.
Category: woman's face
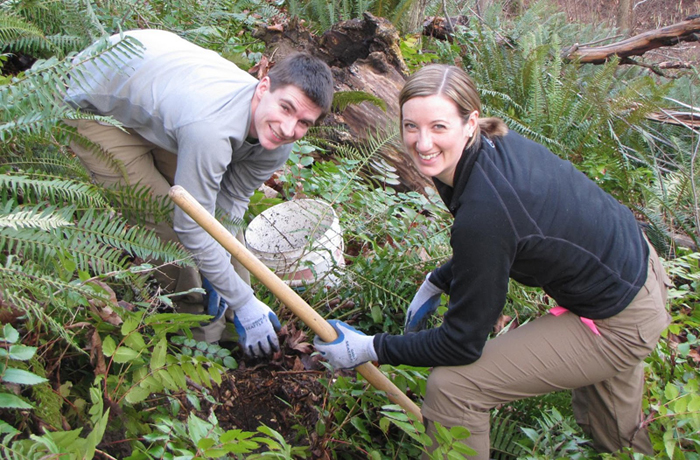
435,135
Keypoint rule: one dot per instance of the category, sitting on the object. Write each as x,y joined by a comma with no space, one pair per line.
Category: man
195,119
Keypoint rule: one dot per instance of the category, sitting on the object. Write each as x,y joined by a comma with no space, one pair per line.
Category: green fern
38,187
42,29
342,99
505,436
19,218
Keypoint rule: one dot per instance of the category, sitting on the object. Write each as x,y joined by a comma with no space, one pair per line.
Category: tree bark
684,31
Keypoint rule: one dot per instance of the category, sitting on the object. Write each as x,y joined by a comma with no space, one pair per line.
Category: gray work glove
257,327
423,305
350,349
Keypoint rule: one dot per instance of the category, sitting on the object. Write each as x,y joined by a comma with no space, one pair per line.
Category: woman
520,212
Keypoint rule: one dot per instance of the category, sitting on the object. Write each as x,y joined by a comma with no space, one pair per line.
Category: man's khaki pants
553,353
149,165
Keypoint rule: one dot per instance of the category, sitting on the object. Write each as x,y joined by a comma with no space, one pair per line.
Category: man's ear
263,87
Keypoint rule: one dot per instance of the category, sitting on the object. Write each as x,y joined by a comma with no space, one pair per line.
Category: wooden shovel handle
279,288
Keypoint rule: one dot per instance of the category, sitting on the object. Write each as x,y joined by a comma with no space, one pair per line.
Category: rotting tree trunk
685,31
364,55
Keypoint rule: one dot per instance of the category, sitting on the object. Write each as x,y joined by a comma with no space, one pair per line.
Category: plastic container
300,241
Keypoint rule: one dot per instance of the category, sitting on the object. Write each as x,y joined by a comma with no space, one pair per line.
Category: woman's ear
472,123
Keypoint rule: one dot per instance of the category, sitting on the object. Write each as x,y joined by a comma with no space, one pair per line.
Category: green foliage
413,54
342,99
66,444
674,394
13,375
43,29
555,436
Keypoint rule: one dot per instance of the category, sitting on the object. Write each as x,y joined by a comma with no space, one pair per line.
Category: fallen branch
687,119
685,31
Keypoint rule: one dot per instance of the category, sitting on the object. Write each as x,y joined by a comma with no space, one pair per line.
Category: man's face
282,116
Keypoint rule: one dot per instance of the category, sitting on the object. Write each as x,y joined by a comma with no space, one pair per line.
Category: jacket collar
450,195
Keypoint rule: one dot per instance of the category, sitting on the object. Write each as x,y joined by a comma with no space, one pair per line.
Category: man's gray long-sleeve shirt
194,103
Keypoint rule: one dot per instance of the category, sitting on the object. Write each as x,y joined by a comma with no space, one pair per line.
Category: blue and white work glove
216,306
423,305
350,349
257,327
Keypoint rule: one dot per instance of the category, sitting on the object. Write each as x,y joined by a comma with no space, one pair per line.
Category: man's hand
257,327
350,349
423,305
216,306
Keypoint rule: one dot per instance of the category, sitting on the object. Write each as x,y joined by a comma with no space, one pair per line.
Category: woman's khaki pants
148,165
553,353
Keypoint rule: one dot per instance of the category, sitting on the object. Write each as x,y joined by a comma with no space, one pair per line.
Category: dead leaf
695,355
502,322
298,365
108,316
96,356
297,341
261,69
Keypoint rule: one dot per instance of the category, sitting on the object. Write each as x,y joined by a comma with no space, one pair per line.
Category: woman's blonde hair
454,83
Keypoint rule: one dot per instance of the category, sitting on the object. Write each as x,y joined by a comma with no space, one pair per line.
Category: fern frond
14,30
342,99
33,244
505,436
137,204
42,219
55,190
118,234
368,156
48,159
45,297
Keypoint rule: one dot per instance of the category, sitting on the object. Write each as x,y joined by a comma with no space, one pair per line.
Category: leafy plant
12,375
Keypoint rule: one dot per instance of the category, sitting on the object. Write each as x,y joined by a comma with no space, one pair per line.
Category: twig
297,372
594,42
652,67
194,384
447,17
104,454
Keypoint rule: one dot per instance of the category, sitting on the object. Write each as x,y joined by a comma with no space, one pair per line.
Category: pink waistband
556,311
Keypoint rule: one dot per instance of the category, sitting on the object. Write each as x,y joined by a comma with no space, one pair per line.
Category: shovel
283,292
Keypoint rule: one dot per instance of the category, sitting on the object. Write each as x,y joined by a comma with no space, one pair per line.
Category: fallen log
688,119
685,31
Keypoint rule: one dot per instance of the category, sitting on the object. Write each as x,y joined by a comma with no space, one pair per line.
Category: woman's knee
452,398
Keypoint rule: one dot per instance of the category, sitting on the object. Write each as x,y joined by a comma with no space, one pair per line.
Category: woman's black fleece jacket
521,212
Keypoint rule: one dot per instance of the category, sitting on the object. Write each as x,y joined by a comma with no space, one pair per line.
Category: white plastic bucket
300,241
